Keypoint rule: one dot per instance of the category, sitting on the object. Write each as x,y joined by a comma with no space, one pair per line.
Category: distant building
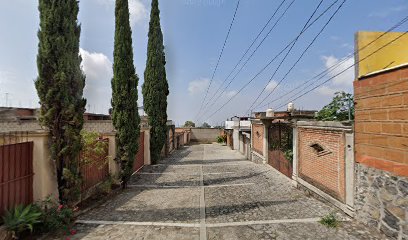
95,116
15,114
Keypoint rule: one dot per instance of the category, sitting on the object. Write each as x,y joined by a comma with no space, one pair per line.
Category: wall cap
405,65
326,124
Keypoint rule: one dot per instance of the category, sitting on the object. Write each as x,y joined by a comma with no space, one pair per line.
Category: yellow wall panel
393,55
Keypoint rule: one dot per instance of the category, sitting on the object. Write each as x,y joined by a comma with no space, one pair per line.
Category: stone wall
382,201
16,126
204,134
101,126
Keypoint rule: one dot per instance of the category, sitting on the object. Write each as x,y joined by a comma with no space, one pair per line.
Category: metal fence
281,147
16,170
139,160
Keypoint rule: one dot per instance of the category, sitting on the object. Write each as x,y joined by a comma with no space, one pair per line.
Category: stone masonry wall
381,201
14,126
101,126
205,134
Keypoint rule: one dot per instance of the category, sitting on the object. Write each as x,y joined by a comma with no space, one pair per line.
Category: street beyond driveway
211,192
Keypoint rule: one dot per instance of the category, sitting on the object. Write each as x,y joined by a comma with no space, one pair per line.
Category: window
319,149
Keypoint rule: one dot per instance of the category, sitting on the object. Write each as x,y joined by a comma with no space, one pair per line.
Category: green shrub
54,217
21,219
329,221
289,155
106,186
222,139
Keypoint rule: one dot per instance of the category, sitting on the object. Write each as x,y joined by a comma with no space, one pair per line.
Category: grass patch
329,221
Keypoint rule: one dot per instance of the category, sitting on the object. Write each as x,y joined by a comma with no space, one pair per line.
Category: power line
222,51
249,58
389,43
253,42
263,69
287,54
324,73
303,53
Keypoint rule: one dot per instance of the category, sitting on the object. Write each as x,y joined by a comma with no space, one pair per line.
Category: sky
194,32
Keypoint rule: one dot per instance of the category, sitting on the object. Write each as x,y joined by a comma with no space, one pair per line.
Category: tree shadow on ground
118,210
193,180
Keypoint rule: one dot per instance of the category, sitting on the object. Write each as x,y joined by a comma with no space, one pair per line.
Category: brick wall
381,123
381,147
257,138
326,169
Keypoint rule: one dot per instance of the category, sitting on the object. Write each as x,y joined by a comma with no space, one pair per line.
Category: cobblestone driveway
211,192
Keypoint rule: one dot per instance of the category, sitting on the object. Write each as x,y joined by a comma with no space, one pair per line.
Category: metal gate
16,175
139,159
280,154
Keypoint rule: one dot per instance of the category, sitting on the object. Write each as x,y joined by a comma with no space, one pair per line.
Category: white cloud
137,10
342,82
98,71
198,86
326,91
385,12
271,86
345,78
230,93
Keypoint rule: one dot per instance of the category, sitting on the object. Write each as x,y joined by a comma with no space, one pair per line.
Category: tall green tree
60,85
125,113
189,124
155,87
341,108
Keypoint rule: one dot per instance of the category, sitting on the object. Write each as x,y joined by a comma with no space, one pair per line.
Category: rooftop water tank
291,107
270,112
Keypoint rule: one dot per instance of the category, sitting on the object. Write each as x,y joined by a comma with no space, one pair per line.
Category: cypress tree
125,113
155,87
60,85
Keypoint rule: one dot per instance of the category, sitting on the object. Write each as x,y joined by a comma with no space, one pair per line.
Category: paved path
211,192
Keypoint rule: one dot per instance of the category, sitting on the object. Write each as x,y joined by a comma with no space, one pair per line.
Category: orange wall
257,138
381,121
326,171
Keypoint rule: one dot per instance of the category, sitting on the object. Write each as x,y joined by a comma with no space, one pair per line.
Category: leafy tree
125,113
189,124
155,87
339,109
60,85
205,125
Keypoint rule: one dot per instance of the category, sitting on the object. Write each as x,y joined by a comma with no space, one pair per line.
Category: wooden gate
16,175
281,148
139,160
